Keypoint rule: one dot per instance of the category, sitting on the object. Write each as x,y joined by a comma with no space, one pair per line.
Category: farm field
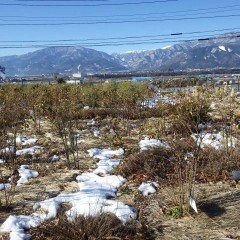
118,161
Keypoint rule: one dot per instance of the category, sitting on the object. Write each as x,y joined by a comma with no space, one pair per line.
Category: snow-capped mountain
220,52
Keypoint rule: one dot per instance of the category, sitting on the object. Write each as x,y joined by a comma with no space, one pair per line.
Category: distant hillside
60,60
221,52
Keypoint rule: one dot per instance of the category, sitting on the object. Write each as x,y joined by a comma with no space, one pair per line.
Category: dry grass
105,226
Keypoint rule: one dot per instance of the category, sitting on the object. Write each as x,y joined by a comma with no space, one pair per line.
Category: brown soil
218,203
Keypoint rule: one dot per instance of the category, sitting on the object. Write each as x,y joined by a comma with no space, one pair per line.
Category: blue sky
189,16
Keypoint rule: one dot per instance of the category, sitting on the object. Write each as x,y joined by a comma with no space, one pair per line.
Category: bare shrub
191,110
105,226
157,162
216,165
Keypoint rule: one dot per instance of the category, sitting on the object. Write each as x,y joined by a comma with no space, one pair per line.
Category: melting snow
9,149
2,161
91,123
215,140
148,188
25,173
55,158
25,141
151,143
105,153
92,199
152,102
30,150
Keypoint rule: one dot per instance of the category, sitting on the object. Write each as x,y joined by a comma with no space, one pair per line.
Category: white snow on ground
151,143
55,158
30,150
25,173
2,161
215,140
96,132
4,186
93,198
9,149
148,188
24,141
91,123
152,102
106,165
105,153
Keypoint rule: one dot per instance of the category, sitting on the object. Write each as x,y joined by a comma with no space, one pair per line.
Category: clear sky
111,25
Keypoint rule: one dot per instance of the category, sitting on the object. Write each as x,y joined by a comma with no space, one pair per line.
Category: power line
125,15
85,5
52,19
118,22
148,41
121,38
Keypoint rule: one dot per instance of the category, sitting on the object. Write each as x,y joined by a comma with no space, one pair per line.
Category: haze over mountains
221,52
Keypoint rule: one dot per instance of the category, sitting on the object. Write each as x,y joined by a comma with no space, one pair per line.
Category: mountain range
218,52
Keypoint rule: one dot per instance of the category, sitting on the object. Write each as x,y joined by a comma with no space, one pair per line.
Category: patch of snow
91,123
151,143
106,166
96,132
215,140
30,150
92,198
213,50
148,188
166,47
105,153
25,141
2,161
17,224
55,158
9,149
135,51
152,102
25,173
222,48
77,135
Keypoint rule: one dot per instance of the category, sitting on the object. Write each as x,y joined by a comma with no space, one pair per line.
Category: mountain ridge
219,52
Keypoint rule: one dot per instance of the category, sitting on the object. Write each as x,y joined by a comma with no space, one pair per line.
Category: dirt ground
218,203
